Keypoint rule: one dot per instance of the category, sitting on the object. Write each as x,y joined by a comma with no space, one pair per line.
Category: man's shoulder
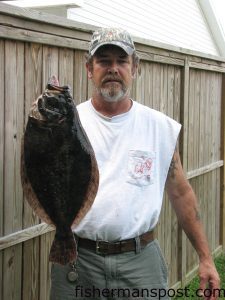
83,105
150,112
154,115
85,102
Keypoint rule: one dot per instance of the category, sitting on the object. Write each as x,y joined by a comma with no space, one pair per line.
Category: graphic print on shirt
141,167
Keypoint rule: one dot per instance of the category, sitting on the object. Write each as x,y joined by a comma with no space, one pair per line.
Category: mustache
112,78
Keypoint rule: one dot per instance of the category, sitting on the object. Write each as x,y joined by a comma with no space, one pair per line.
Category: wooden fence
186,85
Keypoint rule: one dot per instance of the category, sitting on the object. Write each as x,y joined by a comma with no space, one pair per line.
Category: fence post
184,158
222,204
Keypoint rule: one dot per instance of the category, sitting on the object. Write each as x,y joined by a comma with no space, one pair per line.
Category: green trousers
131,275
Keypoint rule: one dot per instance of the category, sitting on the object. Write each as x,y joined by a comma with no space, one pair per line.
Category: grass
194,284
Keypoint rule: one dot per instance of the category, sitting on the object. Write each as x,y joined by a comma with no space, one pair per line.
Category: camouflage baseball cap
111,36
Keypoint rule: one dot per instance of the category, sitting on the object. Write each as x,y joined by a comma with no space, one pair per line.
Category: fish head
56,104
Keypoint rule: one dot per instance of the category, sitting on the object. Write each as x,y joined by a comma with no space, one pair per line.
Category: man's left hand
209,280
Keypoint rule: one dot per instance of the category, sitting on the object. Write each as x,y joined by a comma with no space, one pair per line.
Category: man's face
112,73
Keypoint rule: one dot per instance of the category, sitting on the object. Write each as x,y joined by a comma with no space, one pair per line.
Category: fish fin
90,193
64,248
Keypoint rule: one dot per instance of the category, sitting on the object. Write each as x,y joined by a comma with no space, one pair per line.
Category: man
135,150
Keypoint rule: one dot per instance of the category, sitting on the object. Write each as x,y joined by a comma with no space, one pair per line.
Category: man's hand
209,280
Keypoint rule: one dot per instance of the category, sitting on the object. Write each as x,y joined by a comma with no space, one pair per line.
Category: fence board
80,75
156,86
139,83
45,266
2,105
213,110
145,88
205,169
50,64
163,105
14,93
24,235
191,122
66,67
207,120
185,82
30,288
53,28
206,67
210,209
201,119
22,35
222,213
214,212
170,91
219,128
217,215
13,205
160,59
177,94
184,113
12,270
196,120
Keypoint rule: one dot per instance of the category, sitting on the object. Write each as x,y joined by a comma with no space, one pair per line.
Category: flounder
59,171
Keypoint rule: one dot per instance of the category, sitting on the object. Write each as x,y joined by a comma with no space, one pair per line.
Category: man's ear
134,71
89,70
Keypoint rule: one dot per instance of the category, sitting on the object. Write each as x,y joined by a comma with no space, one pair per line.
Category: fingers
213,289
202,286
209,289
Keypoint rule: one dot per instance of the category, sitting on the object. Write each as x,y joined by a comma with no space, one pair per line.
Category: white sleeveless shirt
133,152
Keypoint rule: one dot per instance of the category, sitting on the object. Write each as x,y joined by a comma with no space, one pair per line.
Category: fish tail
64,248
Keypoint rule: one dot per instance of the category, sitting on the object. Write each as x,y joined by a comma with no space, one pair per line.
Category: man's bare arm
184,202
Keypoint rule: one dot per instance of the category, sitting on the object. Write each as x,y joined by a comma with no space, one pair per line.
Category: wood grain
13,196
222,198
24,235
2,133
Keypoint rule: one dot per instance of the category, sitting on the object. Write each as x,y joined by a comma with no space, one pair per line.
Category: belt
105,248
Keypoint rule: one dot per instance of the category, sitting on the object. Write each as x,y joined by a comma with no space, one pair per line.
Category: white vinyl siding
176,22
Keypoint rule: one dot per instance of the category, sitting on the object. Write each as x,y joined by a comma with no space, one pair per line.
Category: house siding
177,22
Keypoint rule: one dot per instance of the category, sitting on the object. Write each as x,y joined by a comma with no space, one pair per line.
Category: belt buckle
100,250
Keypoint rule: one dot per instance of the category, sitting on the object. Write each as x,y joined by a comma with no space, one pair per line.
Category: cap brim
129,50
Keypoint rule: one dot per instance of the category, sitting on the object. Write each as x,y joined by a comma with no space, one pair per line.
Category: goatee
113,96
113,93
